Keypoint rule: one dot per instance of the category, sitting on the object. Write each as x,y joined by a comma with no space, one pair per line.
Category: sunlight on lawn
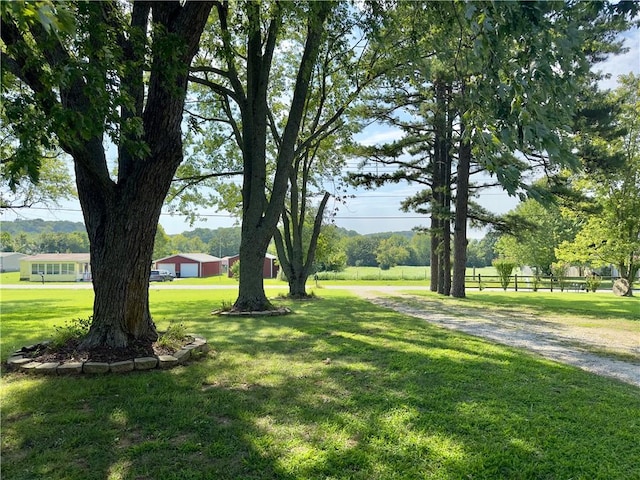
339,389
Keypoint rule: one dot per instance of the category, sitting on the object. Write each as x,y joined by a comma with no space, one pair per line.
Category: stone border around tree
20,362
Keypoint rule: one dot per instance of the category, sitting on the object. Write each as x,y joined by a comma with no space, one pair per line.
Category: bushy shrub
235,270
504,268
559,271
592,282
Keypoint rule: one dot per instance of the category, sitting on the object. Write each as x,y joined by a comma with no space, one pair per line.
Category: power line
221,215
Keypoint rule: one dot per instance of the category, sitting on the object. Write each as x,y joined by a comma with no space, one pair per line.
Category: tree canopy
610,235
83,75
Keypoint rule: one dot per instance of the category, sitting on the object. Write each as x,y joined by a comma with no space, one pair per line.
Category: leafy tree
40,226
611,233
361,250
235,271
474,97
421,247
224,242
53,184
238,75
480,253
6,242
119,75
325,136
63,243
330,254
559,271
162,244
392,251
183,244
544,229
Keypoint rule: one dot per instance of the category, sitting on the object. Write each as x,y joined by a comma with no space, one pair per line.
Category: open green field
341,389
400,272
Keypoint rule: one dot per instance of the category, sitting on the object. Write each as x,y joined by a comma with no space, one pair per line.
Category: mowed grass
341,389
600,305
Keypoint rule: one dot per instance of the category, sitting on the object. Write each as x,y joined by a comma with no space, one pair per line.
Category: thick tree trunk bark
440,193
460,222
121,254
121,216
251,294
121,221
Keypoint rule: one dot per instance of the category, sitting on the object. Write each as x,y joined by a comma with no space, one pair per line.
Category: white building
10,261
56,267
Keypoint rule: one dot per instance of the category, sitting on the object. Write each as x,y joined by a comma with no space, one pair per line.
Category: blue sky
368,211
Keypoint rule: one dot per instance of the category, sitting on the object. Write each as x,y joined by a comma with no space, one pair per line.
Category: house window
37,268
53,269
68,269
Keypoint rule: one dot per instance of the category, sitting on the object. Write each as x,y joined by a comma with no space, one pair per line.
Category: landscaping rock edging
21,362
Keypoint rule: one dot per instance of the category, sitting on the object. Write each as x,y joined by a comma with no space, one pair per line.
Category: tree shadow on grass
339,390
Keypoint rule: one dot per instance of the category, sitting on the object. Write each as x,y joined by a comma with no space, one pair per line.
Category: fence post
479,282
516,281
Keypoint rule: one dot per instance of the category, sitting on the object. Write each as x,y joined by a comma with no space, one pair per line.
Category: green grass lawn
599,305
341,389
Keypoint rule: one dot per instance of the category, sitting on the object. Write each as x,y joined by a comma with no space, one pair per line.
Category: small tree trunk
446,259
290,248
629,273
434,256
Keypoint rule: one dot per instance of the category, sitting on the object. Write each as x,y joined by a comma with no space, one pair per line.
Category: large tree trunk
440,192
448,160
105,92
460,222
121,220
251,294
121,235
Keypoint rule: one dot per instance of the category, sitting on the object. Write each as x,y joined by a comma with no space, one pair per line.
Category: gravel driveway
552,340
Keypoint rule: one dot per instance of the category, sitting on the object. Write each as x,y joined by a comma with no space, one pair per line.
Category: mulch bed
69,352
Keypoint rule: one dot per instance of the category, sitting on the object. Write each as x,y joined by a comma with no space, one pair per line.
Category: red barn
269,268
190,265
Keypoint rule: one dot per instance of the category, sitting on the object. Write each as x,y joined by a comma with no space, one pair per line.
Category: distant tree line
41,236
337,247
